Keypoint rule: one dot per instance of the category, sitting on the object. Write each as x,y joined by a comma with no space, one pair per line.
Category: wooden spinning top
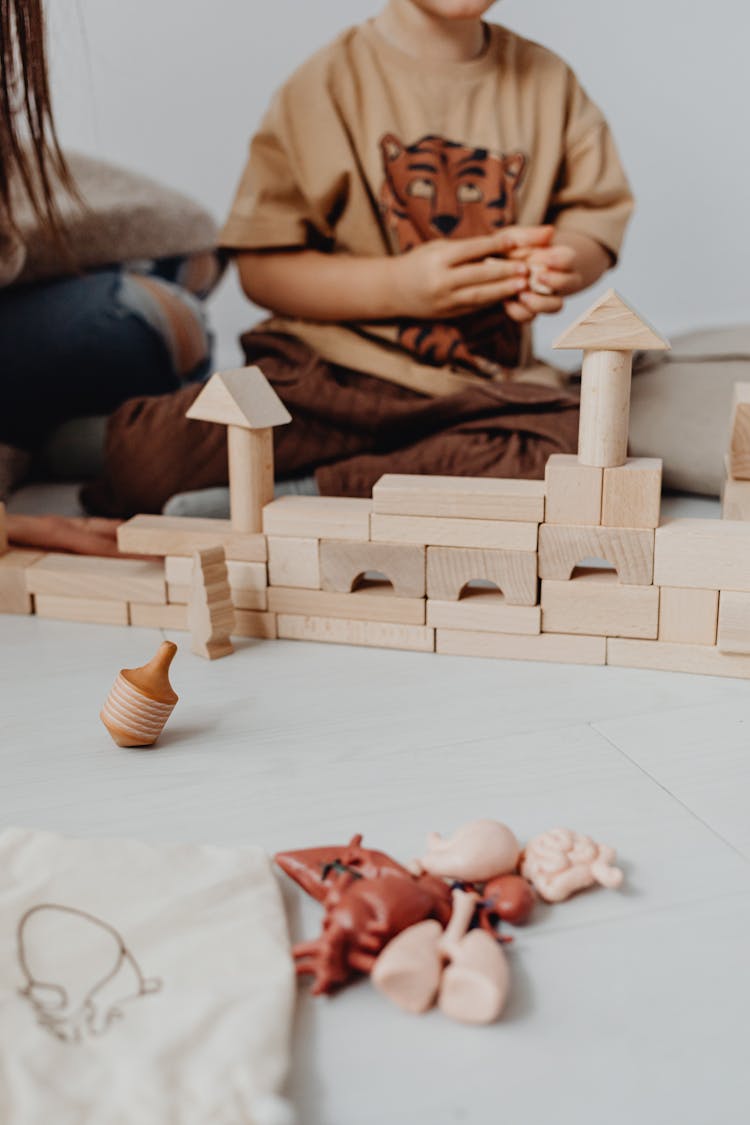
141,701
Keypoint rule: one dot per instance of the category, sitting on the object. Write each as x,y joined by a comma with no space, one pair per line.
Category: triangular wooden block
611,325
240,398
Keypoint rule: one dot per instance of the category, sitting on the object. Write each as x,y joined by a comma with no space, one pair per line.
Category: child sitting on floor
418,192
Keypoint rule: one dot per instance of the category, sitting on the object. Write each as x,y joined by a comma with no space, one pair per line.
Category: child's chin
456,9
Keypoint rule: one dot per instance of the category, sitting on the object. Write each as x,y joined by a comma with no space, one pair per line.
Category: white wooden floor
626,1007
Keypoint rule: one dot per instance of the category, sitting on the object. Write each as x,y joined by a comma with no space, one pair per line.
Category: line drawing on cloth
79,971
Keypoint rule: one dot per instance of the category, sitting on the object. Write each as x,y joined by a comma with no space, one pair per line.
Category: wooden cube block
547,647
735,499
451,569
3,531
250,624
631,496
319,517
159,616
293,562
485,613
444,532
662,656
595,603
84,576
344,564
181,535
371,604
459,497
688,616
739,439
629,550
703,554
734,622
14,596
370,634
574,491
97,611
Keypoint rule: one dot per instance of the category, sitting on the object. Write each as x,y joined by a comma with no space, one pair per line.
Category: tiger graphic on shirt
436,188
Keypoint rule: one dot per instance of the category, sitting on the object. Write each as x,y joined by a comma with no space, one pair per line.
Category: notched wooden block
631,495
574,491
629,550
451,569
343,566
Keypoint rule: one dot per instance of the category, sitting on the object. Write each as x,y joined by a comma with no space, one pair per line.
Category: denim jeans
80,346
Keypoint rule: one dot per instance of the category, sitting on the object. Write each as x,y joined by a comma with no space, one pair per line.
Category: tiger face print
436,188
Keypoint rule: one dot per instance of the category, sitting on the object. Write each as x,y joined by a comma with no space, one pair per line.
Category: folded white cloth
141,985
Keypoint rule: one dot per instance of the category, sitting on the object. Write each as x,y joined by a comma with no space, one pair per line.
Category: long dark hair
29,149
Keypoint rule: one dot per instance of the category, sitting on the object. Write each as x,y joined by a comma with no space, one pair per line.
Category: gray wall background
174,88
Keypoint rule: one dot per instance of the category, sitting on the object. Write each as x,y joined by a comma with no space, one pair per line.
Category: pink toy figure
561,862
408,970
474,853
474,986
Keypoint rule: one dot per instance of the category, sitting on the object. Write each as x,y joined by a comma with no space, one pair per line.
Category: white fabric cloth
141,985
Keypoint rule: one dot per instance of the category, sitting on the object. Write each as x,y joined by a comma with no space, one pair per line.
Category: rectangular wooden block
739,437
574,491
662,656
485,613
629,550
734,622
248,623
159,616
97,611
595,603
688,617
547,647
631,496
319,517
293,562
14,596
83,576
459,497
735,499
372,604
449,569
241,599
437,532
343,564
707,554
180,535
370,634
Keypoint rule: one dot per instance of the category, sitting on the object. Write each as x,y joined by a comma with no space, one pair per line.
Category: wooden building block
3,531
248,582
210,611
574,491
734,622
631,496
480,498
688,617
343,565
485,613
370,604
98,611
739,437
611,323
159,616
595,603
248,623
444,532
662,656
629,550
241,599
735,499
181,535
293,562
703,554
14,596
370,634
450,569
319,517
84,576
548,647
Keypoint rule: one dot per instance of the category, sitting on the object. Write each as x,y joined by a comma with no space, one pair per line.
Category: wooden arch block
450,569
343,563
629,550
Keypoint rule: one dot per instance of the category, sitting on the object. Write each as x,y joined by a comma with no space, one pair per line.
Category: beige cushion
681,403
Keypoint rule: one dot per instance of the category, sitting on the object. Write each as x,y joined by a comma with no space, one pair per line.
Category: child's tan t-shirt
368,151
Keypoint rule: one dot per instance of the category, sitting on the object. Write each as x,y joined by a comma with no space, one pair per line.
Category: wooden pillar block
250,476
294,562
594,603
629,550
450,569
739,439
734,622
343,564
631,496
688,616
574,491
605,408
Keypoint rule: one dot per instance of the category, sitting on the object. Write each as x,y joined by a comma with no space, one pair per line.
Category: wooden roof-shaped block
240,398
612,325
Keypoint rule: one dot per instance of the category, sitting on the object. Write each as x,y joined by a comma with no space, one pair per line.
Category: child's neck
429,37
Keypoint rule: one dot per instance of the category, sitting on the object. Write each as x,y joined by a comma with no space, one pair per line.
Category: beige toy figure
141,701
475,852
561,862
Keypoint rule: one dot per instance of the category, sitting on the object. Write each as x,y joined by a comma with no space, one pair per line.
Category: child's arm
442,278
573,262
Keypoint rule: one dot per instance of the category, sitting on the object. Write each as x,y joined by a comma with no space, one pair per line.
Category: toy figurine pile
428,932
